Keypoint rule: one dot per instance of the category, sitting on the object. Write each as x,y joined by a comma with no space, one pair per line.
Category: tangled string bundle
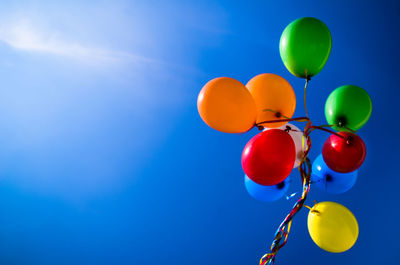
304,168
268,102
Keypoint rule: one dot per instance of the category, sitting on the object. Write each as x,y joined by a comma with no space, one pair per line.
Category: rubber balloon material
226,105
305,46
266,193
344,154
332,227
268,158
330,181
272,92
348,107
297,137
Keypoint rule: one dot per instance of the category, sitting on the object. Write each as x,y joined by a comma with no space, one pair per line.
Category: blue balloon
266,193
331,181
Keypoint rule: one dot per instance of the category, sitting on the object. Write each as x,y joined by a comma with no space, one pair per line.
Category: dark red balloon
345,154
268,158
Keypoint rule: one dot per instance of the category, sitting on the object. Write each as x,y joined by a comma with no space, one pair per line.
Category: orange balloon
274,97
226,105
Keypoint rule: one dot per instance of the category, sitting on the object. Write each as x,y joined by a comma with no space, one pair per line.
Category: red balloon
345,154
268,158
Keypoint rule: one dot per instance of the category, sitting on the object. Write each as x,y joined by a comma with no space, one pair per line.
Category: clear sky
105,160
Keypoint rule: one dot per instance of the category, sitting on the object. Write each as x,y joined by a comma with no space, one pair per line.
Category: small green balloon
348,107
305,46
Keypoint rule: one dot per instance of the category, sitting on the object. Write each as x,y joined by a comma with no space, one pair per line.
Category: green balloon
305,46
348,107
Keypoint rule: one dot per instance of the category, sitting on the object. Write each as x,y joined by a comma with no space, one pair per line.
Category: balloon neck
341,122
328,178
349,140
314,211
281,185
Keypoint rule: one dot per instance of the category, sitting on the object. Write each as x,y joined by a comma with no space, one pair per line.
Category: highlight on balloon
268,102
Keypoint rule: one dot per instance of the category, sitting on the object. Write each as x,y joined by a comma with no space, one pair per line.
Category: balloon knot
328,178
349,140
341,122
280,185
315,211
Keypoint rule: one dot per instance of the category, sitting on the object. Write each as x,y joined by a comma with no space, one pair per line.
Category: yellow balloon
226,105
332,227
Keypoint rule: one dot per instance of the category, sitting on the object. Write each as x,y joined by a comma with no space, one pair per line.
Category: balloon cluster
268,102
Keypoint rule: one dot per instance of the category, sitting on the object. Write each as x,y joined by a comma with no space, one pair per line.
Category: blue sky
105,160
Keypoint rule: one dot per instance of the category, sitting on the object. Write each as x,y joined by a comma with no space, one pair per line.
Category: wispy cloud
25,36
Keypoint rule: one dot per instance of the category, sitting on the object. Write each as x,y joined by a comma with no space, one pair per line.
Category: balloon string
277,113
351,130
321,127
305,93
287,119
330,126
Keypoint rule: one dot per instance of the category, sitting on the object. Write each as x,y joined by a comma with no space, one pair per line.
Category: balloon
226,105
268,157
297,137
348,106
332,227
305,46
344,154
266,193
330,181
272,92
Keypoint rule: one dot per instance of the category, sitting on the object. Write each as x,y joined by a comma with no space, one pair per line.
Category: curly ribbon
282,233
